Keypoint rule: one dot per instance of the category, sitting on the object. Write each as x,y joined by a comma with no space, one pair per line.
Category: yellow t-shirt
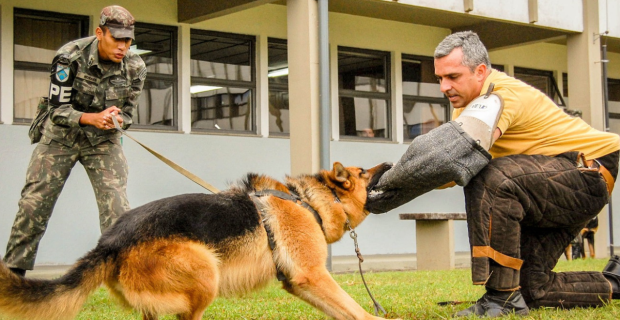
531,123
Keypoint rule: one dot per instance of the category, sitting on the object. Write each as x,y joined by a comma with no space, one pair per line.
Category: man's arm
61,99
62,112
496,135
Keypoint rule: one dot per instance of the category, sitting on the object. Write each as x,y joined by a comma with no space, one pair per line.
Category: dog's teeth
375,192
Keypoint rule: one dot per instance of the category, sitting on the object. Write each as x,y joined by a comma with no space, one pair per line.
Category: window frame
280,87
174,77
424,99
83,30
612,115
251,84
387,95
553,85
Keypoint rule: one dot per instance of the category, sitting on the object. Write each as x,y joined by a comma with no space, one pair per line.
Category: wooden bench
434,233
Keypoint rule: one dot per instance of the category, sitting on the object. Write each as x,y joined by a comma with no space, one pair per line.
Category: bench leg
435,244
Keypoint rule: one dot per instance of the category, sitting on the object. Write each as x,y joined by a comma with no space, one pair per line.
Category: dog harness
285,196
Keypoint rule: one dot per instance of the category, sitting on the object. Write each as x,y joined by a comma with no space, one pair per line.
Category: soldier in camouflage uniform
92,80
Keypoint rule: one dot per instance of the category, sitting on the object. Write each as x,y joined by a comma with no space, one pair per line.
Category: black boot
496,304
612,274
18,271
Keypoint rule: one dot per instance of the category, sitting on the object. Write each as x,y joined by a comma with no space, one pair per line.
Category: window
424,105
364,93
278,87
498,67
37,37
157,45
541,80
613,89
565,84
613,104
223,81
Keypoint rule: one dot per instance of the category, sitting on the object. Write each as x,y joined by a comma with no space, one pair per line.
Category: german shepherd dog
176,255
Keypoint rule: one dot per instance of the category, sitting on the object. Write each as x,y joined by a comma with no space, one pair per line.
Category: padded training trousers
522,211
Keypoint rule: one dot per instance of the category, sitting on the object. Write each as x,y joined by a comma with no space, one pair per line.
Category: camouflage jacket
80,85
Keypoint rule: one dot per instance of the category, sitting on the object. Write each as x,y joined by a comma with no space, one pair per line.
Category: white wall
608,17
559,14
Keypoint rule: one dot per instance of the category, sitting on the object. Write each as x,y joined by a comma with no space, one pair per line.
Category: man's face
110,48
457,82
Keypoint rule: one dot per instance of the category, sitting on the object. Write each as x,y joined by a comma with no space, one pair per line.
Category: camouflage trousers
49,169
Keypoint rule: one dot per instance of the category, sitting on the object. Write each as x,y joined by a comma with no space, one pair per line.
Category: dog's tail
61,298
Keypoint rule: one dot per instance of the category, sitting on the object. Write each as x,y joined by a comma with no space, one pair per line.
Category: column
303,61
185,79
586,91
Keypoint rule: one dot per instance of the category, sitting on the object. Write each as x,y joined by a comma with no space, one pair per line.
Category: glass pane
363,117
222,108
36,40
613,87
278,63
278,111
156,103
539,82
156,49
29,87
221,58
419,78
613,104
421,117
278,87
565,85
362,72
498,67
614,125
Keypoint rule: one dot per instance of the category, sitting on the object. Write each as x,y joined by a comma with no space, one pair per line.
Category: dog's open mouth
384,167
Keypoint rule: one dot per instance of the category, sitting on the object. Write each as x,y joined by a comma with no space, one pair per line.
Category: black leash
353,235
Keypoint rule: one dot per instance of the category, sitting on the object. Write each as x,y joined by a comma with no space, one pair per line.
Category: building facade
233,87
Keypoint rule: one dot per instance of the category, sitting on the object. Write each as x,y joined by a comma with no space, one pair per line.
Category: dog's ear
340,174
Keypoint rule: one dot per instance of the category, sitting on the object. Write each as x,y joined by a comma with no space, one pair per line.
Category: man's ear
340,174
99,33
481,72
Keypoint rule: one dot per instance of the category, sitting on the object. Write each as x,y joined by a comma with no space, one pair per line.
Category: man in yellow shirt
549,175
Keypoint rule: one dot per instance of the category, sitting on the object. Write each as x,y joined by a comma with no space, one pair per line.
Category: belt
605,174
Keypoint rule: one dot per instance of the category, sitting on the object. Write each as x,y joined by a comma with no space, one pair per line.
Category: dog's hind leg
319,289
149,316
172,276
195,315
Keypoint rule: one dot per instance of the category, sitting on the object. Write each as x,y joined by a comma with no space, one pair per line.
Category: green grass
404,294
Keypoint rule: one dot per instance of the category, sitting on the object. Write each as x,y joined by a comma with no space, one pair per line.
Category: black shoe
612,274
18,271
496,304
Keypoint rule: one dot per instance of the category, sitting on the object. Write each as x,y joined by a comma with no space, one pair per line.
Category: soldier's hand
103,119
114,112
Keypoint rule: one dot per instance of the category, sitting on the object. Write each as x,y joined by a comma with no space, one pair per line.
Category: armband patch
62,72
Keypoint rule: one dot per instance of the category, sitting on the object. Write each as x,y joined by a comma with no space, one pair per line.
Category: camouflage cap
118,20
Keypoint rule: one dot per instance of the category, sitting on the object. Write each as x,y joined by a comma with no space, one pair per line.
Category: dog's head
351,185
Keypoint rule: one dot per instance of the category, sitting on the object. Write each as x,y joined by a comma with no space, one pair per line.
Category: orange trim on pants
502,259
